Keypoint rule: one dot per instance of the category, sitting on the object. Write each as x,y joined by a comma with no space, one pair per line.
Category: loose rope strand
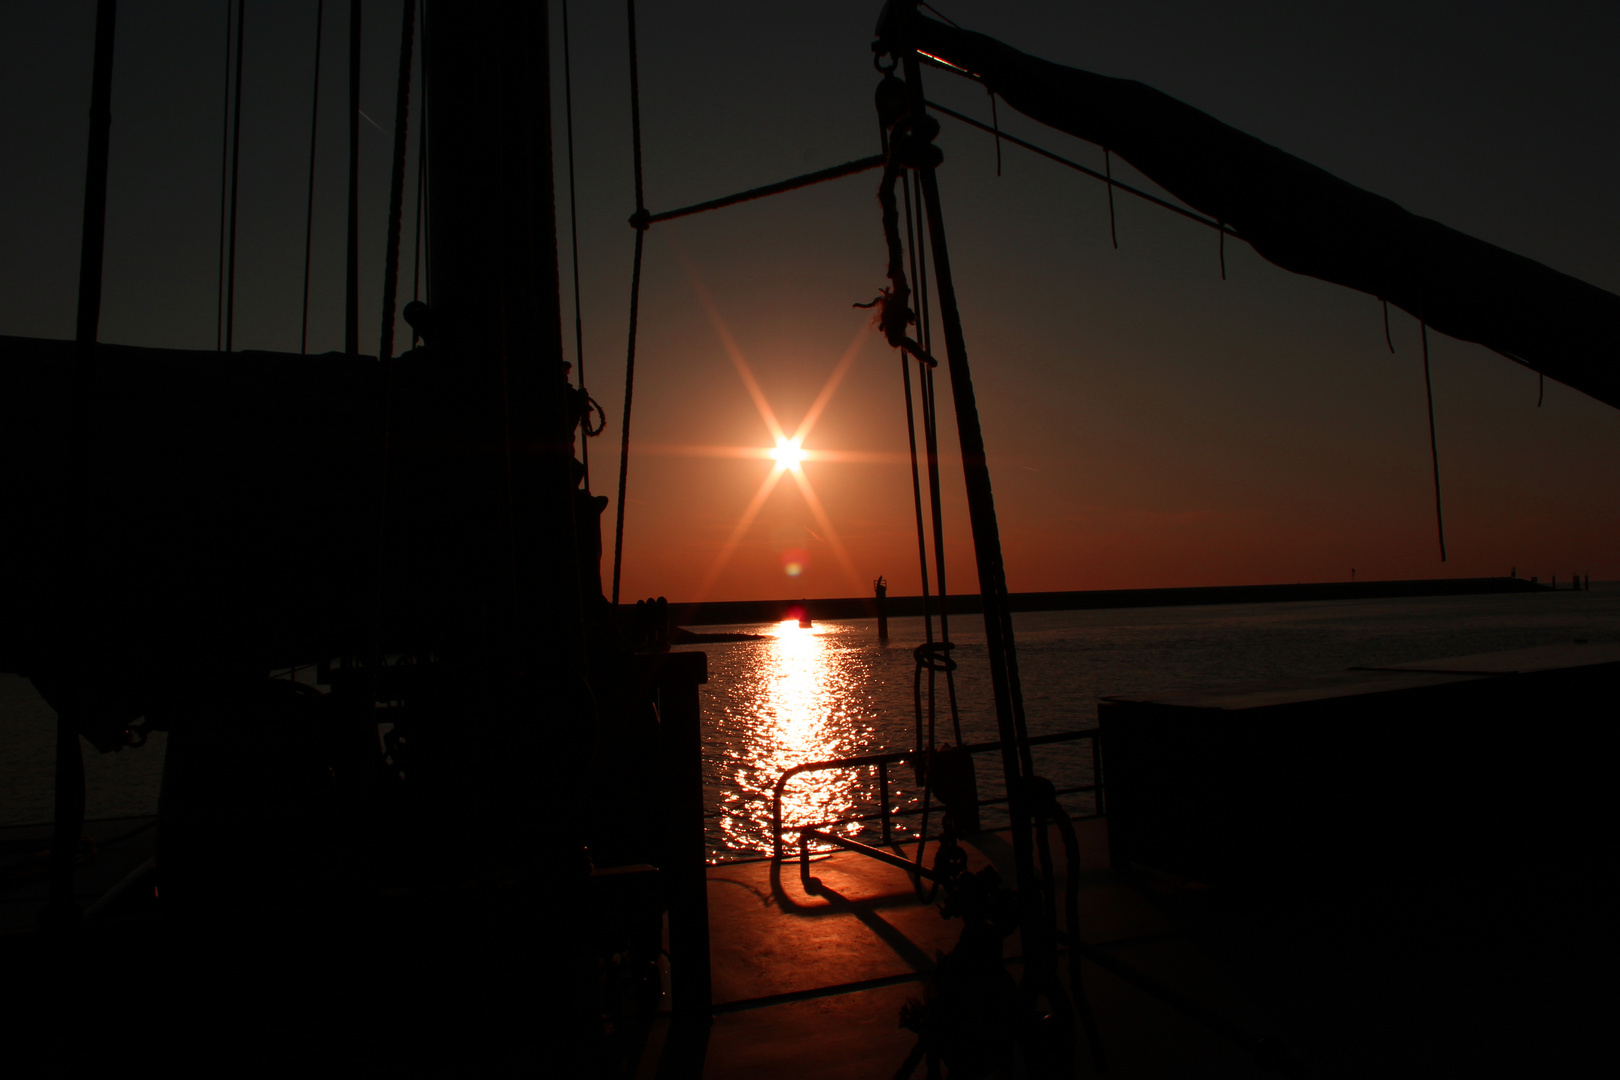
351,300
931,434
916,484
236,170
224,178
309,199
640,221
1434,450
421,162
396,179
995,123
1108,174
573,236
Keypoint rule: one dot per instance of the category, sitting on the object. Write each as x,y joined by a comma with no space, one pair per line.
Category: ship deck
1494,968
1491,969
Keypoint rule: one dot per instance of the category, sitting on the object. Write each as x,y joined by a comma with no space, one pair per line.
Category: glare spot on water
799,696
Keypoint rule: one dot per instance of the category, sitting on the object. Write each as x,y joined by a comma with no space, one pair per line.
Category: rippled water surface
800,695
833,690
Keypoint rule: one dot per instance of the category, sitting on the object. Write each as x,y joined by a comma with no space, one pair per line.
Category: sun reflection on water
800,695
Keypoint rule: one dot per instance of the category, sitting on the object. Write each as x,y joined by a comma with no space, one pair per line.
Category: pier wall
864,607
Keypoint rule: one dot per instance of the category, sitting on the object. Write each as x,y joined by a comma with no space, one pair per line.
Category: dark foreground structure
1397,871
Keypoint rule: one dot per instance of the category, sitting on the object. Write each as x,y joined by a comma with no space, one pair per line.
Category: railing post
1096,773
675,677
883,794
776,816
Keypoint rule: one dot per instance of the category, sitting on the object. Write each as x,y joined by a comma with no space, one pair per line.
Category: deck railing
881,763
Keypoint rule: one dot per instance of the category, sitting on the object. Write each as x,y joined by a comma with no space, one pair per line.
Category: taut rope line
1434,450
309,200
396,179
236,160
640,223
224,179
573,237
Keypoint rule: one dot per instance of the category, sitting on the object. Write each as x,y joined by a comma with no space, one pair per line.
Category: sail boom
1306,220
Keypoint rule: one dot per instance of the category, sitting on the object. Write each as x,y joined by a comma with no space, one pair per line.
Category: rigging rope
351,305
416,262
422,176
61,915
396,199
924,653
995,123
1108,175
849,168
396,179
931,442
906,149
309,201
916,484
573,236
236,160
640,222
1434,451
224,179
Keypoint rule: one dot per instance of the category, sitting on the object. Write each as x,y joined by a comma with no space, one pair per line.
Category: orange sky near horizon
1132,482
1148,424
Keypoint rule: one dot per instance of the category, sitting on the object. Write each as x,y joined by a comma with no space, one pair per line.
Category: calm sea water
834,691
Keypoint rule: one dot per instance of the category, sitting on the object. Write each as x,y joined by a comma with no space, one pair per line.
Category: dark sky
1148,424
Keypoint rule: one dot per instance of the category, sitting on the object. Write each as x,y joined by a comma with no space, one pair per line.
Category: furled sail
1306,220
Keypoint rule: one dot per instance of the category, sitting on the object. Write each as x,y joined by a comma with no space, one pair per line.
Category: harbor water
833,690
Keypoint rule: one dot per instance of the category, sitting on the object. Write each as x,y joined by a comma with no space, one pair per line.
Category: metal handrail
882,762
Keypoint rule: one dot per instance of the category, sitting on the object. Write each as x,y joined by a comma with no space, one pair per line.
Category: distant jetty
731,612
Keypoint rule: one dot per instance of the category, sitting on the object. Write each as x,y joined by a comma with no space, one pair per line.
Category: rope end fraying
892,317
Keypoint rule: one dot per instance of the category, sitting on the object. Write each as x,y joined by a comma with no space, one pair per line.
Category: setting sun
788,453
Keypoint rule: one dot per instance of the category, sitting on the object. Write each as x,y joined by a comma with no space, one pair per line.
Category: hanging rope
926,369
926,650
224,178
396,180
351,302
995,123
1434,451
421,192
61,915
907,148
421,176
1387,340
573,236
309,201
1108,175
916,483
639,222
236,159
396,199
